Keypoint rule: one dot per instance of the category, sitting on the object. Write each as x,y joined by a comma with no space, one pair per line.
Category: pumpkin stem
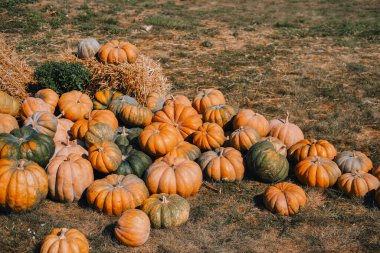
123,132
221,150
171,95
60,115
287,117
164,200
21,164
62,233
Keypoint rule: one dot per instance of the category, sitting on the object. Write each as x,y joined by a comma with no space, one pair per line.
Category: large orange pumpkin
287,132
63,129
209,136
177,100
8,104
353,160
115,194
207,98
105,156
133,228
7,123
32,105
64,240
49,96
219,114
43,122
103,98
306,148
75,105
185,150
357,183
115,52
244,137
135,115
174,175
247,117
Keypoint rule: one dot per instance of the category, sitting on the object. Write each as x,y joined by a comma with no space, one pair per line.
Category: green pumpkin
103,98
165,210
266,163
97,133
28,144
133,162
117,104
126,137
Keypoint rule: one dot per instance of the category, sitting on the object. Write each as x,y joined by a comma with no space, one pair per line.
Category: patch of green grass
8,4
169,22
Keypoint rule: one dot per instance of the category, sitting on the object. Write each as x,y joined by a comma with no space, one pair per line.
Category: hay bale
137,79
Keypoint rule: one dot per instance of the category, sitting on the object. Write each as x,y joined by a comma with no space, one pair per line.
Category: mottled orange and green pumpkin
116,104
103,98
135,115
133,162
133,228
219,114
98,132
64,240
186,150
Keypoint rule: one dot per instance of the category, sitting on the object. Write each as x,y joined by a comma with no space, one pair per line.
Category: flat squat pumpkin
64,240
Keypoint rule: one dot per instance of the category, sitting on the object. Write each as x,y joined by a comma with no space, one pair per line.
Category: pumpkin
80,127
247,117
115,194
105,156
306,148
317,172
244,137
133,115
75,105
207,98
103,98
222,164
133,228
174,175
166,210
87,48
348,161
64,240
209,136
98,132
266,163
7,123
158,139
125,137
376,172
49,96
8,104
43,122
28,144
116,104
184,118
69,147
186,150
32,105
154,101
133,162
357,183
69,176
285,131
219,114
377,197
115,52
279,146
284,198
63,129
23,186
177,100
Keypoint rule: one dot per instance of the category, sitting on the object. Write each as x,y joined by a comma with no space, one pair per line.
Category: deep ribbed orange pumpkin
306,148
75,105
49,96
115,52
207,98
247,117
104,156
357,183
185,150
135,115
64,240
32,105
209,136
244,137
219,114
177,100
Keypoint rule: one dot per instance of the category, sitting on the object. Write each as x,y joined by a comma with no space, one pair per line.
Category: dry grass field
317,59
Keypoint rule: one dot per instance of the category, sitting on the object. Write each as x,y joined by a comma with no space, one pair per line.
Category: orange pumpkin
154,101
184,118
186,150
69,147
287,132
43,122
247,117
103,98
244,137
158,139
353,160
49,96
8,104
357,183
64,240
115,52
209,136
32,105
114,194
219,114
63,129
75,105
135,115
177,100
376,172
133,228
317,171
284,198
7,123
222,164
104,156
80,127
306,148
174,175
278,145
207,98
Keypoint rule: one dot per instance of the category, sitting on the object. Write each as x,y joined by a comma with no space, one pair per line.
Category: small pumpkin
32,105
166,210
317,172
75,105
357,183
49,96
115,52
103,98
177,100
63,129
135,116
174,175
64,240
98,132
219,114
284,198
7,123
8,104
244,137
348,161
279,146
69,176
133,228
247,117
285,131
128,136
154,101
133,162
43,122
24,185
306,148
222,164
87,48
105,156
207,98
186,150
114,194
376,172
116,104
209,136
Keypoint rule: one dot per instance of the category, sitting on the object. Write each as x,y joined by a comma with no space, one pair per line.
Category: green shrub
63,76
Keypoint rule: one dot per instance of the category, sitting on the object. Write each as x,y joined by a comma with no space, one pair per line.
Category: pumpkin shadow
37,249
258,201
33,87
369,200
82,202
109,231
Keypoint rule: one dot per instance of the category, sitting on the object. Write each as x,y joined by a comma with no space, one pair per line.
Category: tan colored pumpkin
8,104
7,123
376,172
49,96
177,100
357,183
75,105
244,137
209,136
353,160
43,122
154,101
306,148
63,129
133,228
278,145
185,150
219,114
135,115
207,98
69,147
64,240
287,132
115,52
104,156
98,132
32,105
247,117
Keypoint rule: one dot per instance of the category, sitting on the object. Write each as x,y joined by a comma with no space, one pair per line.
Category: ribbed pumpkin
177,100
97,133
348,161
284,198
104,156
75,105
376,172
80,127
209,136
285,131
8,104
126,137
133,228
133,162
158,139
116,104
43,122
115,52
115,194
222,164
103,98
279,146
49,96
7,123
64,240
306,148
69,147
87,48
28,144
244,137
266,163
186,150
63,129
32,105
174,175
23,186
357,183
317,172
207,98
135,116
69,176
154,101
219,114
166,210
247,117
184,118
